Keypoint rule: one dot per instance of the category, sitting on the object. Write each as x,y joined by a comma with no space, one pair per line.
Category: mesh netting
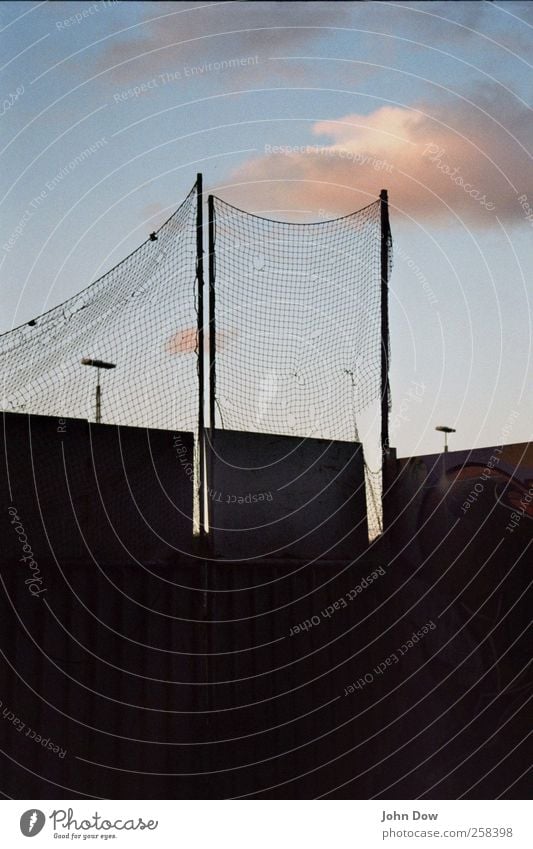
140,316
298,328
298,322
298,334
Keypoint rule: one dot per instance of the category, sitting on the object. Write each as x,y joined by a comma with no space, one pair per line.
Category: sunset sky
428,100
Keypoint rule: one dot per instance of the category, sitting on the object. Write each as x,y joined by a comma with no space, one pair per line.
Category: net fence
298,329
298,335
141,317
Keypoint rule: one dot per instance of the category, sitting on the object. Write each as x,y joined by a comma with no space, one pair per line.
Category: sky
302,112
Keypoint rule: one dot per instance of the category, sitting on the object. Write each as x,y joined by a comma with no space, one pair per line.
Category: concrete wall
91,493
282,496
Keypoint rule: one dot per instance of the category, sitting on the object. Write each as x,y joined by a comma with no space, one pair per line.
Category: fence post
385,390
212,322
201,356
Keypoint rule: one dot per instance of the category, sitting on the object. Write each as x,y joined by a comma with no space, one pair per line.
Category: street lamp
97,364
445,430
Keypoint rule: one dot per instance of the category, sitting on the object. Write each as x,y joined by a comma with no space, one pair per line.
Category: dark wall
479,501
283,496
190,678
90,494
209,680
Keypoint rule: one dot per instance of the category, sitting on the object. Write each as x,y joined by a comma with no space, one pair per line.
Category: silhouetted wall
182,677
94,494
283,496
481,500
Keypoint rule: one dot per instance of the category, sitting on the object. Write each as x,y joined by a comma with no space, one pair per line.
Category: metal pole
98,411
210,575
445,430
385,389
97,364
212,325
212,342
201,356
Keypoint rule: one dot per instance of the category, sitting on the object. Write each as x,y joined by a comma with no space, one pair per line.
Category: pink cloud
184,341
435,162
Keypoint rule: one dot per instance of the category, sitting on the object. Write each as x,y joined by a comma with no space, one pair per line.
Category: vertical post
212,325
204,518
98,410
201,348
212,344
385,395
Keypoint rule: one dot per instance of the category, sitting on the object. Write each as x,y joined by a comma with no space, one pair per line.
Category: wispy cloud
170,33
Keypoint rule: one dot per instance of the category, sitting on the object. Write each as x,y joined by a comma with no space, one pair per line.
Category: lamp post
97,364
445,430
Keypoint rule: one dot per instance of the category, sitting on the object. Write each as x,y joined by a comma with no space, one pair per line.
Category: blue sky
404,96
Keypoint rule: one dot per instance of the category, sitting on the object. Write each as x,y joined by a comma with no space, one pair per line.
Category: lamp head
87,361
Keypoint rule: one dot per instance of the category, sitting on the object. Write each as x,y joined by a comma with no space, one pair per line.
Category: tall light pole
97,364
445,430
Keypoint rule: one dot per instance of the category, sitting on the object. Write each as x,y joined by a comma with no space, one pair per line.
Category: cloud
169,35
185,341
182,342
435,161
